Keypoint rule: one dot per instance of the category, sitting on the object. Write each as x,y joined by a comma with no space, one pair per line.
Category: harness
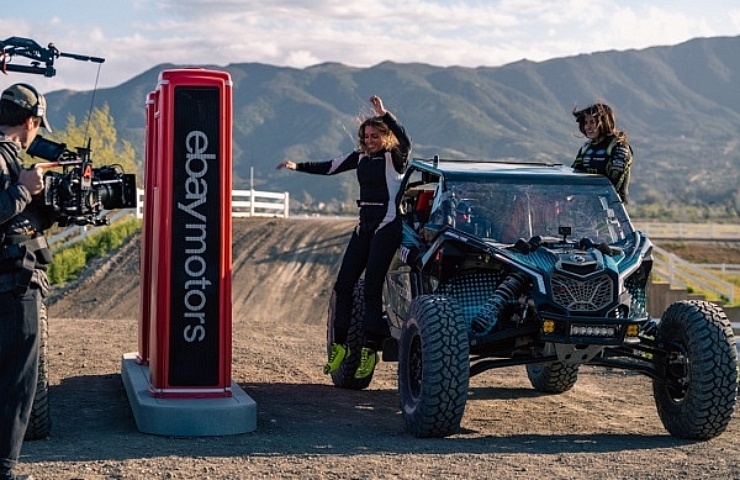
609,148
20,256
15,246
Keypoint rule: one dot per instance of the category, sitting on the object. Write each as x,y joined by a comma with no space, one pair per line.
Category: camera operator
24,255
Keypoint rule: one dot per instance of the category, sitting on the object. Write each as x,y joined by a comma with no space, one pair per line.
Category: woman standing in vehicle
607,151
380,162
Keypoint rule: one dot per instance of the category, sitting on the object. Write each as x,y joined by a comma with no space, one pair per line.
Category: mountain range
680,106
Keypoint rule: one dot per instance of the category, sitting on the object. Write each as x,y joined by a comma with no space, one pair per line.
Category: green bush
69,261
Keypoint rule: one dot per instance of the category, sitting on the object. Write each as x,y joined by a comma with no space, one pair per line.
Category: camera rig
25,47
79,194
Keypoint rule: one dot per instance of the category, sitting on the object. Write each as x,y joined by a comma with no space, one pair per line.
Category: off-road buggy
506,264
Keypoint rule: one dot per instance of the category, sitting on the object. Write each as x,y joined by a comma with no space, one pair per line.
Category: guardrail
684,274
690,231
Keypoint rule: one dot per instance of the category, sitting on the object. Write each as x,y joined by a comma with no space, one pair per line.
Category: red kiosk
146,229
179,383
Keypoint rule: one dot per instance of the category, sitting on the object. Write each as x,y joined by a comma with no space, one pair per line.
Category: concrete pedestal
179,417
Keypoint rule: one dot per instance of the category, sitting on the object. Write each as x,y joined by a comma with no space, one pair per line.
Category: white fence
246,203
690,231
723,268
684,274
251,203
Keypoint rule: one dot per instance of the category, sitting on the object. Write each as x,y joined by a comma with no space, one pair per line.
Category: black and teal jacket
611,157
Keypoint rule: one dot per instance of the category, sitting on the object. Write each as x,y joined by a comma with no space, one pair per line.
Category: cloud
136,35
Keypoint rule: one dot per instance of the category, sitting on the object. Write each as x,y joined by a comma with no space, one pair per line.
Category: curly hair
388,139
605,119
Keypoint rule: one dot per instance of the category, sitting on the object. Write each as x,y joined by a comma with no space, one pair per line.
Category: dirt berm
605,427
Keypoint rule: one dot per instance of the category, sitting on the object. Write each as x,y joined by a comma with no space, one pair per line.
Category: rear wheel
696,398
39,425
433,367
344,377
553,377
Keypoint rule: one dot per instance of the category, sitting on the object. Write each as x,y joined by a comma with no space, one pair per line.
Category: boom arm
42,59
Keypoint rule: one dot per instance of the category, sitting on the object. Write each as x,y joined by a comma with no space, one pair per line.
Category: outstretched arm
289,164
404,141
332,167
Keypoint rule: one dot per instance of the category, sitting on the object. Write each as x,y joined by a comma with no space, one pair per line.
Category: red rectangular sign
190,298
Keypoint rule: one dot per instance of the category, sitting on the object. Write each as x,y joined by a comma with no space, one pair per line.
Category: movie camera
80,194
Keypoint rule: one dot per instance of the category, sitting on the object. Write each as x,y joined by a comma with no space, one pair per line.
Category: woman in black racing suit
380,162
607,150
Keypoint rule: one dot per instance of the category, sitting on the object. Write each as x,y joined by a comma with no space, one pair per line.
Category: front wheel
696,397
344,377
433,367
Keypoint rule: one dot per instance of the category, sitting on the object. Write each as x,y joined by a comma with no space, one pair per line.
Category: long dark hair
605,118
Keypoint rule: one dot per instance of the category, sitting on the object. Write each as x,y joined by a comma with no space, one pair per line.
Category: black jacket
14,197
19,226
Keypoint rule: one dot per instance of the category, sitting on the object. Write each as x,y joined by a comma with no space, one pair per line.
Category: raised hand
377,104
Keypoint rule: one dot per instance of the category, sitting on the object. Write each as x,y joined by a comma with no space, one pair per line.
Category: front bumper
606,331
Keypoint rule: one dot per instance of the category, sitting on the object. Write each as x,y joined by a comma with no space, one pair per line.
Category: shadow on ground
92,421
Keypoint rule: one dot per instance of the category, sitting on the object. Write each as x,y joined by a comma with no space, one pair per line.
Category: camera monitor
46,149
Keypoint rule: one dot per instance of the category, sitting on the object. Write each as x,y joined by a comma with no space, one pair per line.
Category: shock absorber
507,291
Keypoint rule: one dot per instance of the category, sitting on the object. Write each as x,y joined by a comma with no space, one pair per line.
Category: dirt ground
606,427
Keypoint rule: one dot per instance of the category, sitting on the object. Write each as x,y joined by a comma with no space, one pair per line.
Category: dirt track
606,427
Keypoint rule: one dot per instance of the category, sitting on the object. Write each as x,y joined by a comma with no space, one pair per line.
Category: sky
136,35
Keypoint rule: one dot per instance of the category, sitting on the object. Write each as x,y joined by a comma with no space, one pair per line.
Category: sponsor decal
196,239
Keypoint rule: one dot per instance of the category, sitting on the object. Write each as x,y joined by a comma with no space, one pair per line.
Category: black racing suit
22,285
377,235
611,157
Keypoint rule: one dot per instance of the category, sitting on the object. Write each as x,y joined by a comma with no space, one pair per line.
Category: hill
290,278
680,105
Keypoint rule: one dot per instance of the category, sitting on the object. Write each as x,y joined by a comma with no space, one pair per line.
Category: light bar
603,331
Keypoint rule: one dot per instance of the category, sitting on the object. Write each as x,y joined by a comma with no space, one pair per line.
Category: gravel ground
605,427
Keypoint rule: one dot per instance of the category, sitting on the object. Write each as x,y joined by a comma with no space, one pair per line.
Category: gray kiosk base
179,417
